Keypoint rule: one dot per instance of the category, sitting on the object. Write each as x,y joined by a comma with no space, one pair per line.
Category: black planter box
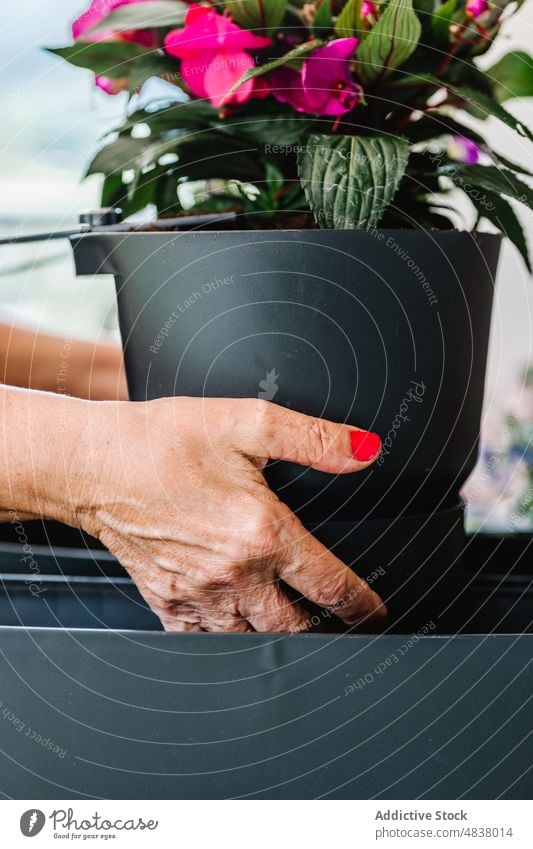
343,321
384,329
88,712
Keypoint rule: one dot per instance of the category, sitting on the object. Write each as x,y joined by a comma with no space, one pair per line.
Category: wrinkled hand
75,367
176,492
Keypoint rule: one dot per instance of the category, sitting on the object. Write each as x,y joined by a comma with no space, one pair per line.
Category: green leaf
323,20
150,13
492,179
271,130
348,23
390,43
439,124
166,195
156,148
192,114
199,160
260,122
500,213
113,191
502,160
120,155
198,153
262,15
155,65
441,20
110,59
512,76
349,181
465,74
293,55
424,8
131,199
483,103
273,178
487,106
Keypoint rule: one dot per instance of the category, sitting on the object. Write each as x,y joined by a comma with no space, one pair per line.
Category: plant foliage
358,113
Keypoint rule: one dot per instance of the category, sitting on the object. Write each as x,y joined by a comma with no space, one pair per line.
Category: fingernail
365,445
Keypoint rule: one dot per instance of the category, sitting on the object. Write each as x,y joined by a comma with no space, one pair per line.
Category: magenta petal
463,149
341,49
368,8
471,152
207,30
327,80
348,100
286,86
97,12
247,40
223,71
112,86
193,72
179,44
90,18
325,85
196,11
212,75
232,36
476,8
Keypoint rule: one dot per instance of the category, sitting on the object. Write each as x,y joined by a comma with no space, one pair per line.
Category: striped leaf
349,181
390,43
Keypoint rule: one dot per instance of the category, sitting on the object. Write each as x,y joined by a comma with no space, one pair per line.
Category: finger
271,610
275,433
233,626
175,625
226,624
310,568
157,587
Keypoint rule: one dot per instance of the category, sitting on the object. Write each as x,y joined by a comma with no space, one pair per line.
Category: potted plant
346,281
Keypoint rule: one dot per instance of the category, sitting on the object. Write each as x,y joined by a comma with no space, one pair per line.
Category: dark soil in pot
385,329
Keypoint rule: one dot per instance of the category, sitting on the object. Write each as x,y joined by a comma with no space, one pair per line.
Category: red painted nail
365,445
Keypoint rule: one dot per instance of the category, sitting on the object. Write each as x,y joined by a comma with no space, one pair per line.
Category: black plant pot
387,330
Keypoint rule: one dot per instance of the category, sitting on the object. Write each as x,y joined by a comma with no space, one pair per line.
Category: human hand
174,488
35,360
96,371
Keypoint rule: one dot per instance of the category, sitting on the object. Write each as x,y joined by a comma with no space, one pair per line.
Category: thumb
275,433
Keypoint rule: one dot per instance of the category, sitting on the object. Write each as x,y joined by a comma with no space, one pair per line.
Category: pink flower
324,86
98,11
463,150
476,8
368,9
213,53
111,85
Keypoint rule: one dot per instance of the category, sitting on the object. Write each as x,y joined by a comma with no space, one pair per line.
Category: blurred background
51,120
